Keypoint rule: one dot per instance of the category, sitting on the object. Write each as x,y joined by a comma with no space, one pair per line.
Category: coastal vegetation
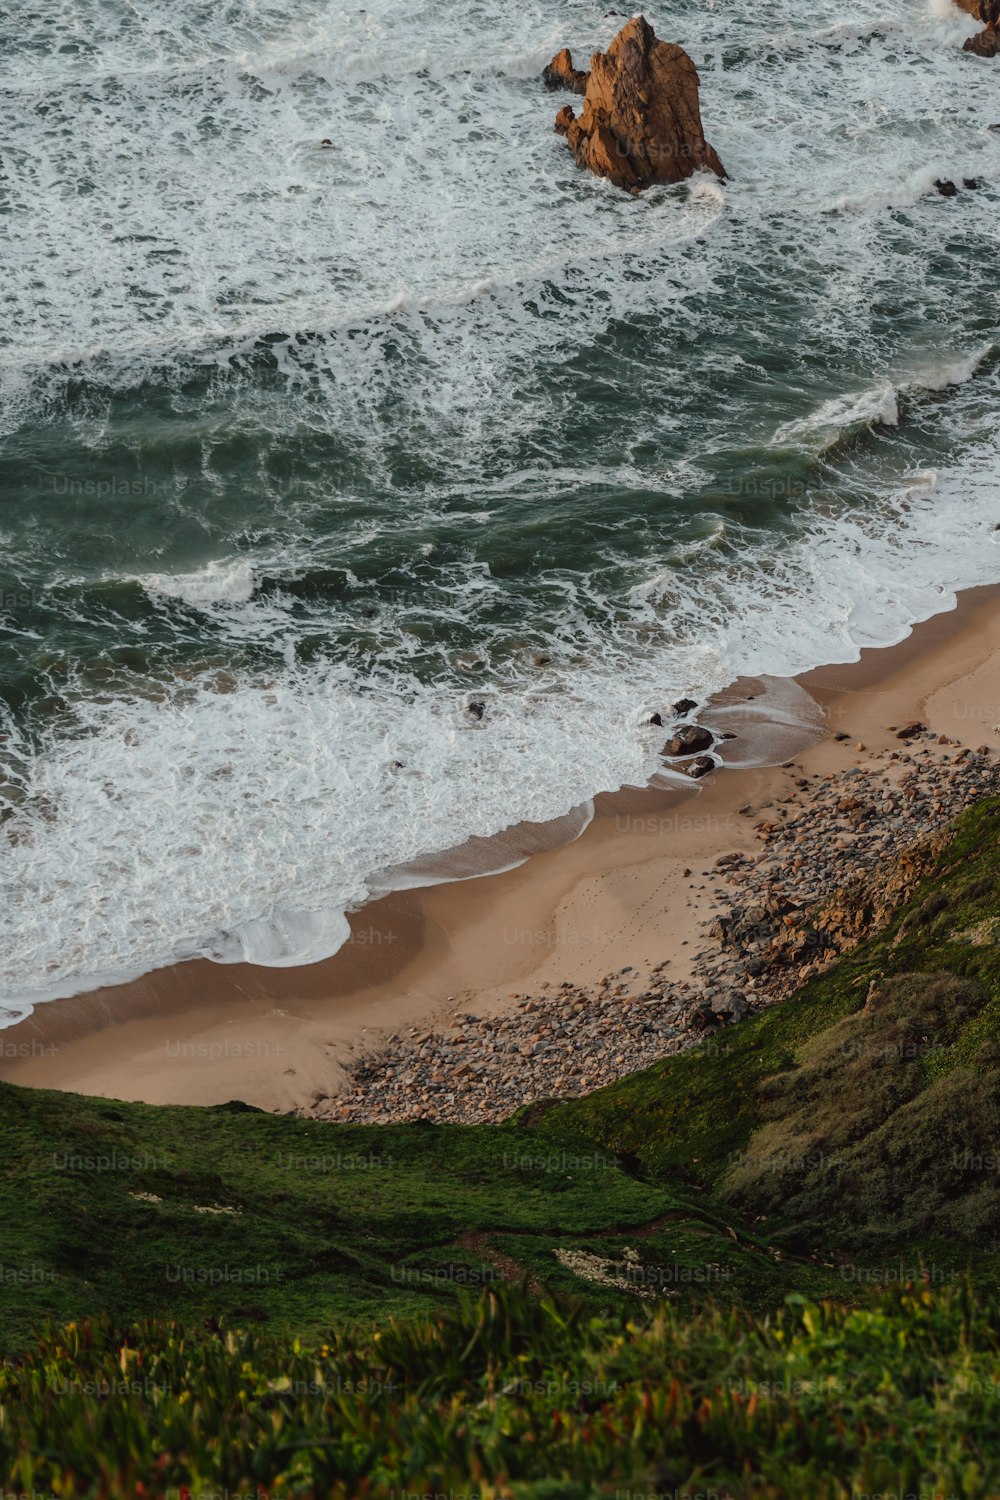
660,1285
531,1399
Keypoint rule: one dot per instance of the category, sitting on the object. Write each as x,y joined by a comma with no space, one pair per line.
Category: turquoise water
302,450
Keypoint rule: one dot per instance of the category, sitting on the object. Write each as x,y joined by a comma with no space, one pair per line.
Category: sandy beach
636,892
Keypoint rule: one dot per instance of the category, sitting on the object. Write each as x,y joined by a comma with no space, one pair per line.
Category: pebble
758,945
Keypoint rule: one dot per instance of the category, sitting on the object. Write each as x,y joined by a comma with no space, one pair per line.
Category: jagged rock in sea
641,120
561,74
985,43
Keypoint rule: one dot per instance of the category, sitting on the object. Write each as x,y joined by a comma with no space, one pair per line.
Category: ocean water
303,450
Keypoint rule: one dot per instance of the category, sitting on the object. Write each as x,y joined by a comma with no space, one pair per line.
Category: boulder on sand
691,740
641,119
701,766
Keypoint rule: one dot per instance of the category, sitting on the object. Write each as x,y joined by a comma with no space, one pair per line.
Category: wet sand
624,893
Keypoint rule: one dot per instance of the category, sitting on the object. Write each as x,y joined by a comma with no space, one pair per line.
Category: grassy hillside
225,1213
885,1064
844,1140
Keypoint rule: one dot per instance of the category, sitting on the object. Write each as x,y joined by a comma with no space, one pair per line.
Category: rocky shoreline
839,851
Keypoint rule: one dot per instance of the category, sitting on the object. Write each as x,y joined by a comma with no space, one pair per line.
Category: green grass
846,1138
688,1118
317,1221
519,1397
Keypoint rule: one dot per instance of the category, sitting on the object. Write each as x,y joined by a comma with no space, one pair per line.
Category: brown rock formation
561,74
641,121
689,740
987,42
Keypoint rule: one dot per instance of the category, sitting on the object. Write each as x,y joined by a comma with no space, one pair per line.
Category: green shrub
518,1397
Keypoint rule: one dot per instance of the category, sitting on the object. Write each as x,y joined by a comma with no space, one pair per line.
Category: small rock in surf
690,740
